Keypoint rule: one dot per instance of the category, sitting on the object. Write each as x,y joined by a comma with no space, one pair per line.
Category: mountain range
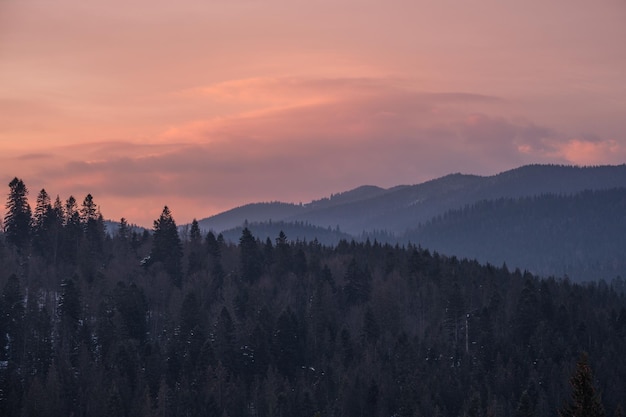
491,218
396,209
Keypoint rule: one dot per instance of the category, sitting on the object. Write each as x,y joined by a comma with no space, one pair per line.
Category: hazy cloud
205,105
385,137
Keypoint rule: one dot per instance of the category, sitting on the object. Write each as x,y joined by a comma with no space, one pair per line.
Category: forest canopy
145,324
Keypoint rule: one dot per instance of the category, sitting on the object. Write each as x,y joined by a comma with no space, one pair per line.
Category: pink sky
203,105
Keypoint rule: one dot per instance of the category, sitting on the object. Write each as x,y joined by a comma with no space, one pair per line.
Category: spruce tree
585,401
196,252
43,210
72,231
18,215
124,230
250,257
166,246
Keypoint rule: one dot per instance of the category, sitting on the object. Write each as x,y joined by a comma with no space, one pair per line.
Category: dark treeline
152,325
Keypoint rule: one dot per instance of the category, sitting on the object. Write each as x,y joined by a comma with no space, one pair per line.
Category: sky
205,105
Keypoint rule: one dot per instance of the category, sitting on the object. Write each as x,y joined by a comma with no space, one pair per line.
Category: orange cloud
588,152
359,131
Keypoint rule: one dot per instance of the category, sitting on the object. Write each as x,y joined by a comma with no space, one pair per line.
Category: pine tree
93,224
585,401
225,341
196,252
166,246
18,215
41,209
251,262
194,233
72,231
47,222
89,210
358,284
123,232
283,254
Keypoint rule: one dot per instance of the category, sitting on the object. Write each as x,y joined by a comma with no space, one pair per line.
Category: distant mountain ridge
548,219
582,235
370,208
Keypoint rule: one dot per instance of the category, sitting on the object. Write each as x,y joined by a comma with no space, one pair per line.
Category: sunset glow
207,105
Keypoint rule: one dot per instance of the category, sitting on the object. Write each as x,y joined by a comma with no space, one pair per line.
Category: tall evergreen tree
283,254
41,209
196,252
72,231
93,223
194,233
18,215
47,222
166,246
358,283
250,256
124,231
88,210
71,211
585,401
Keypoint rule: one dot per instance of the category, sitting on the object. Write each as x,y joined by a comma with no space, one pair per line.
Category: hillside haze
551,220
369,208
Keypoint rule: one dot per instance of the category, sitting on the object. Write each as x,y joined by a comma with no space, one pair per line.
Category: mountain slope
581,235
255,212
405,207
295,231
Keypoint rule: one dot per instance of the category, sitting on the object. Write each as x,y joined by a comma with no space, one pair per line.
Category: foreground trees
208,327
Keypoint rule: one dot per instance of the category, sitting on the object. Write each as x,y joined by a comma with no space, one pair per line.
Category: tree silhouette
18,215
585,401
250,256
166,246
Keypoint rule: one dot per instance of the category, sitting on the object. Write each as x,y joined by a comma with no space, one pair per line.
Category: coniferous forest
154,324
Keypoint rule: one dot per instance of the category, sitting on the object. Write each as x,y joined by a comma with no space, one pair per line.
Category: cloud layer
307,138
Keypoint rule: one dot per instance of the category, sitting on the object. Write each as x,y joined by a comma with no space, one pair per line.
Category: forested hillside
581,235
154,325
297,231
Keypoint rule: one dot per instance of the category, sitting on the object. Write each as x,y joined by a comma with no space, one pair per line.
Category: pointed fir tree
195,236
93,223
166,246
89,210
585,401
41,209
72,231
196,251
18,215
124,231
43,225
250,257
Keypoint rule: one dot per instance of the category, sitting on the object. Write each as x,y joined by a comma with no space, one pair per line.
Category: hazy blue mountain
253,213
111,227
551,220
581,235
295,231
406,207
369,208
